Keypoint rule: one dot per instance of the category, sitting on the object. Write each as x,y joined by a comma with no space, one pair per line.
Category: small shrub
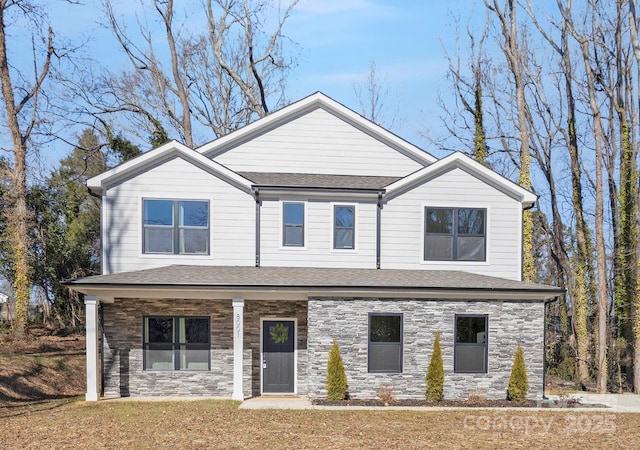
476,397
385,393
518,382
435,373
336,377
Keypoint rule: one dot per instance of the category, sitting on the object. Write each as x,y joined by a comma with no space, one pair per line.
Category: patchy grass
39,367
219,424
41,406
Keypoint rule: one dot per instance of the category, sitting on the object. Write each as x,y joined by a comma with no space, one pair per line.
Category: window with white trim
455,234
177,343
344,226
175,226
293,224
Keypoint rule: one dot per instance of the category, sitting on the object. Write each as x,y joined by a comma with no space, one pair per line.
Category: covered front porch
242,360
138,325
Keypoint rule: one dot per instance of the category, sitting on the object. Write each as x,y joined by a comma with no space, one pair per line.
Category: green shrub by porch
518,382
435,373
336,377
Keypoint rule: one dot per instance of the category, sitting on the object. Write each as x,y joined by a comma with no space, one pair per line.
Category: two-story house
229,269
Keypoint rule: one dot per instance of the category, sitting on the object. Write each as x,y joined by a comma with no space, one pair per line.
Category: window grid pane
158,239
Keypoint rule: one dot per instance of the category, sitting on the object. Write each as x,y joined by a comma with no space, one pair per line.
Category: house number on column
238,324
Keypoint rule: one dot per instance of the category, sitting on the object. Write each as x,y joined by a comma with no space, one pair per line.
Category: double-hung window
470,350
177,343
385,343
344,217
293,224
176,226
455,234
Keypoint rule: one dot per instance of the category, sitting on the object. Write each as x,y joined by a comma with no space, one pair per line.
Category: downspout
378,228
256,195
544,346
101,346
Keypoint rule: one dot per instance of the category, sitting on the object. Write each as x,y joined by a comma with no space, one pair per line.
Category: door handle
264,363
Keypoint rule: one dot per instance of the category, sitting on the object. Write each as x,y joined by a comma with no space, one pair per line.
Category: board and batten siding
402,237
318,250
232,218
321,143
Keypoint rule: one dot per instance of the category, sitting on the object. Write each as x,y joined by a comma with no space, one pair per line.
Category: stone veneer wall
346,319
123,373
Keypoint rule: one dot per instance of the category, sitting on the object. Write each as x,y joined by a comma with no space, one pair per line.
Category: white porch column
91,311
238,342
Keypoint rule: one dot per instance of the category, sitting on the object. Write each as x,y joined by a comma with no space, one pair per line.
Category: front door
278,359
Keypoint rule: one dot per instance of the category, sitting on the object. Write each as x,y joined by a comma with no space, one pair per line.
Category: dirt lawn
41,406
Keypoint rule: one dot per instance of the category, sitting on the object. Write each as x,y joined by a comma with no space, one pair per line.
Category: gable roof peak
317,100
460,160
159,154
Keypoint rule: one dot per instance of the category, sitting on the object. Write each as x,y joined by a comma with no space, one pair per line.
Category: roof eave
133,290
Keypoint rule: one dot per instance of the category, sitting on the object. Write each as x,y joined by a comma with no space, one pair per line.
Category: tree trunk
17,212
17,215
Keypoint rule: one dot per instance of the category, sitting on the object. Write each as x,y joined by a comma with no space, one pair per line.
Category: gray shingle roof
309,278
276,179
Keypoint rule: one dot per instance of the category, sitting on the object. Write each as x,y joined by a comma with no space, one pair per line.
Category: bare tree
508,23
22,108
634,300
221,78
373,98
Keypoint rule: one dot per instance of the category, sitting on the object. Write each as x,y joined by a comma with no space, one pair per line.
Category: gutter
316,190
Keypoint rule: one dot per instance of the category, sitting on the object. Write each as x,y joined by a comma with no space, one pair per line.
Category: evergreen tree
518,382
65,238
336,377
435,373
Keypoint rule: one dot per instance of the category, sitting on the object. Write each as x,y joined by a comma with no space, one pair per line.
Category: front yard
220,424
42,406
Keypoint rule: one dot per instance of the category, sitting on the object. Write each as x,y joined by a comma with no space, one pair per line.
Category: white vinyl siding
318,250
232,218
402,238
318,142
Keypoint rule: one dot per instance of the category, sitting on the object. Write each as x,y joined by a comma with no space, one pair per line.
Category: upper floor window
385,342
293,224
470,351
177,343
344,227
455,234
176,226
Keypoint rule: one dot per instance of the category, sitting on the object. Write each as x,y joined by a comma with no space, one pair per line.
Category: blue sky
340,38
337,41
